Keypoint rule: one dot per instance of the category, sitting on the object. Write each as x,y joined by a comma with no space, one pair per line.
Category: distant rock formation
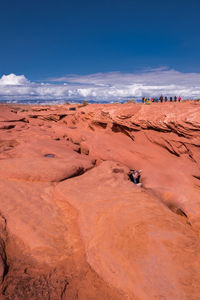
72,224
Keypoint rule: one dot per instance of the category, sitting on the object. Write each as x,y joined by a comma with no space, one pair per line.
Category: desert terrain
72,224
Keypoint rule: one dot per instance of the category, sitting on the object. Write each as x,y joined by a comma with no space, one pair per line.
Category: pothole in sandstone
49,155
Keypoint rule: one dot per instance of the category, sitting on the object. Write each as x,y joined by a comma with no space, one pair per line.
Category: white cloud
102,86
13,79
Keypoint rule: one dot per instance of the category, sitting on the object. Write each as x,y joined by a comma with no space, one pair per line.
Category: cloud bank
112,86
12,79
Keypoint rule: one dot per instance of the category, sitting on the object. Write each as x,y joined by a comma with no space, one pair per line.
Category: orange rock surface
73,226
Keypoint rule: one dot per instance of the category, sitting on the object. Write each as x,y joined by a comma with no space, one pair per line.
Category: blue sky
53,39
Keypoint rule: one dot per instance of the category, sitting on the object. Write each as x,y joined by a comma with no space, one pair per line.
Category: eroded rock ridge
72,225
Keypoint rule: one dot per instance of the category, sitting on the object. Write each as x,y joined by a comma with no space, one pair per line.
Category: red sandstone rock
131,239
95,236
45,169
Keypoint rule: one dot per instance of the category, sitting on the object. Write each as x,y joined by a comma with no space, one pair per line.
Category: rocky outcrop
162,140
131,239
72,226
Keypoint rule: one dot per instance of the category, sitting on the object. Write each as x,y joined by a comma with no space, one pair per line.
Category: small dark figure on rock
134,176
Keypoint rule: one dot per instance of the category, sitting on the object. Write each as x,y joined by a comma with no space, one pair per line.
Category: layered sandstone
74,227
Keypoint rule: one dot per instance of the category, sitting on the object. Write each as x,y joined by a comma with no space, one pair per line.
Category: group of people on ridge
161,99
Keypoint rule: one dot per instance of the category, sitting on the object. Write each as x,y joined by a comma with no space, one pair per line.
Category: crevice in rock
7,127
100,124
182,131
33,116
169,128
13,111
179,211
170,148
62,116
64,290
91,128
196,176
149,127
80,171
167,146
123,129
39,109
190,154
78,150
50,117
19,120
